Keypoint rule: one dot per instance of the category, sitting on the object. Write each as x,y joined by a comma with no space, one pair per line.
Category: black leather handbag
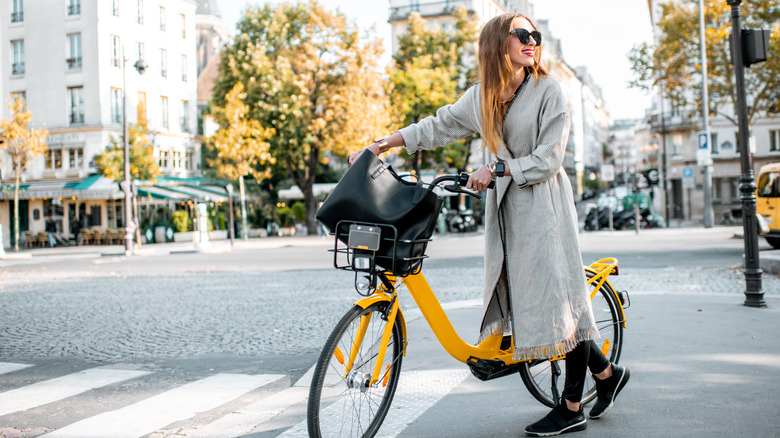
371,192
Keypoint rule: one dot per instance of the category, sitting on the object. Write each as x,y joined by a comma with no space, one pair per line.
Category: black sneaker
608,389
559,420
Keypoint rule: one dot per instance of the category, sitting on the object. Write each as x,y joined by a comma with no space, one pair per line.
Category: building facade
73,64
675,131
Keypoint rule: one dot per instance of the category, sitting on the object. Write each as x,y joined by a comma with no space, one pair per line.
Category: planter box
183,237
286,231
218,235
257,232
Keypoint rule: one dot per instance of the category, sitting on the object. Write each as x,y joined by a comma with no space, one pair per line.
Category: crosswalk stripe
247,419
163,409
8,367
59,388
417,392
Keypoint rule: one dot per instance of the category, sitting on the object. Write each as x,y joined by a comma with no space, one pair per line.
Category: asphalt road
183,317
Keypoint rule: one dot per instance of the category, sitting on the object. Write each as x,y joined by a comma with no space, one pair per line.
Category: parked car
768,201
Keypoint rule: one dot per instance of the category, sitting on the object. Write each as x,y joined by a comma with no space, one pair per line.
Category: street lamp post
231,227
140,67
754,296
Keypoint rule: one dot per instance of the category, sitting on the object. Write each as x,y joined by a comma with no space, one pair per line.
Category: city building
212,36
72,64
676,130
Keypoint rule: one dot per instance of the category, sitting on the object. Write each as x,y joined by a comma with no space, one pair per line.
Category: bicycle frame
437,319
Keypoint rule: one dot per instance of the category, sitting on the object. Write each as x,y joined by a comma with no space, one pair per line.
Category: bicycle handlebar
460,180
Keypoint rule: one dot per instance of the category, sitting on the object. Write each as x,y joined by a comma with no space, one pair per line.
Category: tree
310,77
240,147
110,163
23,145
673,63
430,68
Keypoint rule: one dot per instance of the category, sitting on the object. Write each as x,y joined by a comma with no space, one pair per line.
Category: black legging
586,355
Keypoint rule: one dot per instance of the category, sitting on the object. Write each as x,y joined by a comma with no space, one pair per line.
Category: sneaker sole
582,425
623,380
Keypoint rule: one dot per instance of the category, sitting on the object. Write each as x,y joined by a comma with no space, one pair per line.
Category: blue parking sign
703,140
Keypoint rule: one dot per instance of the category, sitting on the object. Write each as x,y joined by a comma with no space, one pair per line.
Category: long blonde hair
495,73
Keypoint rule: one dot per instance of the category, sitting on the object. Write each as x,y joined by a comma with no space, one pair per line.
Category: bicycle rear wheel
341,403
538,376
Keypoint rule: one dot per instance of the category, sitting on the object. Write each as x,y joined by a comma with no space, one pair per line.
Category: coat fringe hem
541,351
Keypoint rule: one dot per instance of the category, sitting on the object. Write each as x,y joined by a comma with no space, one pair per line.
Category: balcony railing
76,118
17,16
428,9
73,63
672,122
17,68
74,9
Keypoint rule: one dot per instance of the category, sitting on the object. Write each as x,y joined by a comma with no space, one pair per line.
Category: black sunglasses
523,34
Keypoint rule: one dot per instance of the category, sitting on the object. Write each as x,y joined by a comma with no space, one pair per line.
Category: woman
534,282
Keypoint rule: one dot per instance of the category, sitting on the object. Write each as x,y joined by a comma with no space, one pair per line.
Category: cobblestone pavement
111,316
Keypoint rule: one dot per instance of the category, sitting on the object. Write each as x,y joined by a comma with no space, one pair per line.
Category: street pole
707,163
231,227
126,149
754,296
244,229
665,164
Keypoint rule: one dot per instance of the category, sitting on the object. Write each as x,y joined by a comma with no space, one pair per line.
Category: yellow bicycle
358,370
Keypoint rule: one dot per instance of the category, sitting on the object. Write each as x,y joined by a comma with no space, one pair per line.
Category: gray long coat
543,299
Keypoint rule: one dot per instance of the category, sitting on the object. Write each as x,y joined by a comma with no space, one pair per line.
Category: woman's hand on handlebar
479,180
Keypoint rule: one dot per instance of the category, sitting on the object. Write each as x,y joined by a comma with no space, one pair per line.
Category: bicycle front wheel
544,379
343,403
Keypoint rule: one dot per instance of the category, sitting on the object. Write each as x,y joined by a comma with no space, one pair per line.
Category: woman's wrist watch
497,168
500,168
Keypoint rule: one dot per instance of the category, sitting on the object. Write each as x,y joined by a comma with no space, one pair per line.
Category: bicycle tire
537,375
341,404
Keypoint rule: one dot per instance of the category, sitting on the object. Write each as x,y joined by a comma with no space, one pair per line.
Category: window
74,7
717,190
162,161
183,26
17,11
116,105
769,185
164,104
774,140
676,149
115,8
17,48
74,51
116,50
21,95
95,216
53,158
714,141
76,105
76,158
163,63
189,160
184,68
184,119
141,108
176,160
140,50
162,18
736,142
140,11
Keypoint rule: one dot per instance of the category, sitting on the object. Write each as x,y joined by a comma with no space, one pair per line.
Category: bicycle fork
364,381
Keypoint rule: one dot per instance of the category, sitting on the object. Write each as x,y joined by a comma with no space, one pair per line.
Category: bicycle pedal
488,369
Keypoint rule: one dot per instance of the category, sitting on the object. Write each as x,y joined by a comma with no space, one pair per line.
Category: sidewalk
214,246
702,365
